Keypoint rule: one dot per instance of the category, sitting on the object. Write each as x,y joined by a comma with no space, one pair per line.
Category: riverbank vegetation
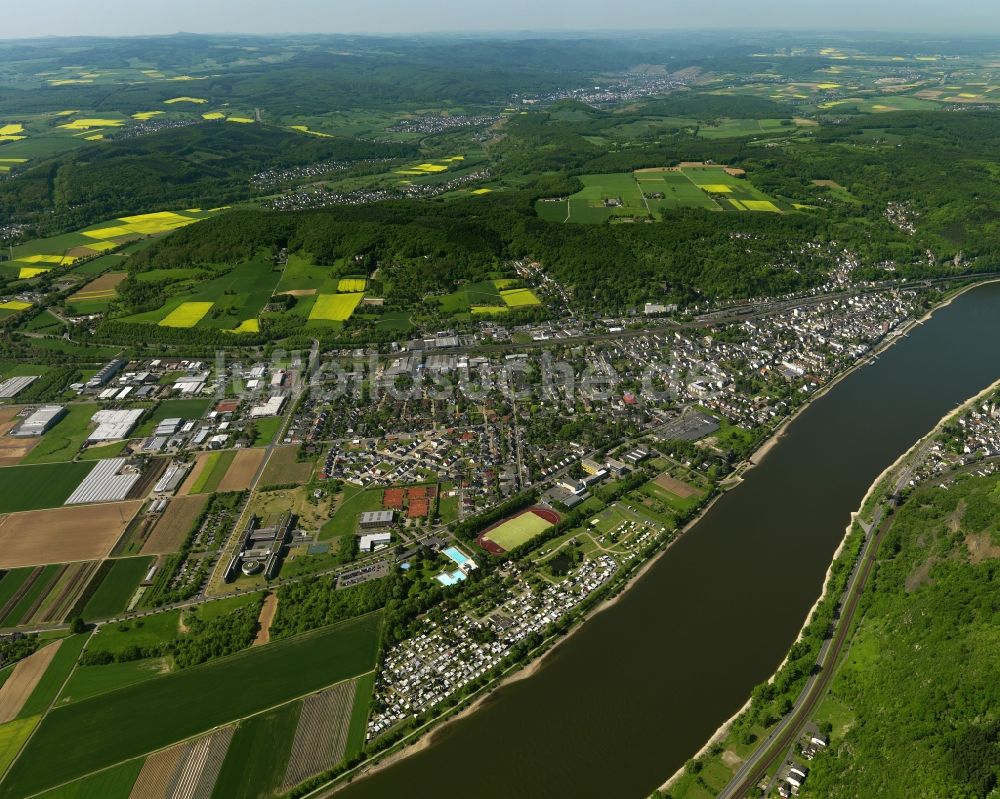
913,709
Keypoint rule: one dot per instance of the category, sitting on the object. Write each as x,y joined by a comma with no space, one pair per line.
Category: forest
920,686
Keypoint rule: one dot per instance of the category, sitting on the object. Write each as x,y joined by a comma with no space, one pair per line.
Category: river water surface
630,696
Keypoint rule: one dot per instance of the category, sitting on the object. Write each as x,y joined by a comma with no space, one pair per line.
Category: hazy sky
124,17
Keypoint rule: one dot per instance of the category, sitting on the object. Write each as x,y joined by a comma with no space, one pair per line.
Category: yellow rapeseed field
187,314
335,307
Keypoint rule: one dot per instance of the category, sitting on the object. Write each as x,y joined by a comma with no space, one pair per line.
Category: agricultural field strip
194,739
353,624
321,735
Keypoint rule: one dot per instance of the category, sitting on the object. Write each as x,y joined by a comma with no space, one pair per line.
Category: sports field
143,717
517,530
335,307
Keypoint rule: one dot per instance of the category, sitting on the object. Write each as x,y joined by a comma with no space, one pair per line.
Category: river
622,703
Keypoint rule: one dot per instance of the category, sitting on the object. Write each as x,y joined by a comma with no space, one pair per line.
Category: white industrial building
270,408
41,420
372,541
114,425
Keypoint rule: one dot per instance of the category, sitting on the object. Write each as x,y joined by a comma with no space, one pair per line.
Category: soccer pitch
514,532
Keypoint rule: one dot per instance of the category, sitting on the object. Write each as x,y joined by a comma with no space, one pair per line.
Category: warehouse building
107,372
114,425
172,478
40,421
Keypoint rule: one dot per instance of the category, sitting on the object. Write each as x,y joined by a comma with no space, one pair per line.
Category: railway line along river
620,705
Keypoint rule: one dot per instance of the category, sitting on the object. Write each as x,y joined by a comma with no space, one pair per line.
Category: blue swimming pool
456,555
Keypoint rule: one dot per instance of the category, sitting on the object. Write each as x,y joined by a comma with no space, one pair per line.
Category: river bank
720,735
704,587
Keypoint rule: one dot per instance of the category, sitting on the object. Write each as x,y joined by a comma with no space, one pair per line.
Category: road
784,735
216,580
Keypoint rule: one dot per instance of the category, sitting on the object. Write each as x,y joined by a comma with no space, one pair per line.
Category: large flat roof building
13,386
40,421
114,425
376,518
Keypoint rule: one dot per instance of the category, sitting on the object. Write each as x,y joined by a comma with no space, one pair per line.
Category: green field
88,681
708,187
236,295
113,783
519,530
116,589
13,734
345,519
43,486
360,711
63,441
11,581
267,428
55,675
214,471
588,204
148,631
258,755
483,294
143,717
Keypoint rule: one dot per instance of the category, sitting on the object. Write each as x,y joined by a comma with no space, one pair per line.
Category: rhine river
638,689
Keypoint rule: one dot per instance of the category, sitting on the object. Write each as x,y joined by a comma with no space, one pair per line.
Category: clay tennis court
22,681
173,526
241,470
676,487
63,535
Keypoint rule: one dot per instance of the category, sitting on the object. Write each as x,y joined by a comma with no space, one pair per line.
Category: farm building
13,386
40,421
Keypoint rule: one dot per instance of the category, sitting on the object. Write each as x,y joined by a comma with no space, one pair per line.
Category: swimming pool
455,554
450,578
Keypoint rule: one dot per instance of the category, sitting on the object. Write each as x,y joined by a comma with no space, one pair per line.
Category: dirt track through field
241,470
63,535
267,611
173,526
22,681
